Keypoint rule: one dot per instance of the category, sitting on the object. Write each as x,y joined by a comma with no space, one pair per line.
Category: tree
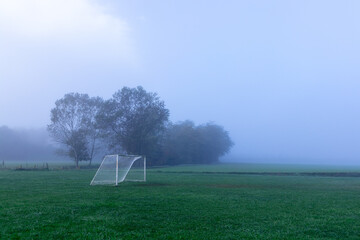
133,120
73,125
214,142
185,143
180,145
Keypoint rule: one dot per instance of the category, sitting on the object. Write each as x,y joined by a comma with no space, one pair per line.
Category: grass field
184,202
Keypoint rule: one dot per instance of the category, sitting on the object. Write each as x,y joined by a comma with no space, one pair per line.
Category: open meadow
222,201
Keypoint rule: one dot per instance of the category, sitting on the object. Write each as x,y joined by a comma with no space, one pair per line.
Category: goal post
117,168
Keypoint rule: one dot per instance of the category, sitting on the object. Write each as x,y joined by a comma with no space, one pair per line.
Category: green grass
251,167
175,204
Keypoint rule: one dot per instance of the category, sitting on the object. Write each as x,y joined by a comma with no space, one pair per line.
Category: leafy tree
185,143
73,125
180,145
133,120
214,142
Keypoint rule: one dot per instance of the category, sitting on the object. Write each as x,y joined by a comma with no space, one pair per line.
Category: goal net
115,169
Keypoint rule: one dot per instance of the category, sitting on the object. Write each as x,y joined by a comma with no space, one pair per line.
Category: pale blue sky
281,76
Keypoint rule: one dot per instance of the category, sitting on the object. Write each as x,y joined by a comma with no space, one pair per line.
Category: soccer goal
115,169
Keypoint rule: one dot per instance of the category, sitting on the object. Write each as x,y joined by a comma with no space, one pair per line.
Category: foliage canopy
73,125
133,121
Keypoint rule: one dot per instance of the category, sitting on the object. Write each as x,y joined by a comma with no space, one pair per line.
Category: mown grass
254,167
176,205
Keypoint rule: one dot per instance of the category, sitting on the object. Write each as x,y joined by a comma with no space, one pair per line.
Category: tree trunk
76,159
92,150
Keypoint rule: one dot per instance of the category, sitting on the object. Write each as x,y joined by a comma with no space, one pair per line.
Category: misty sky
283,77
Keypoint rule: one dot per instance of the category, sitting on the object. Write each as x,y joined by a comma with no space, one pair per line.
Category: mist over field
27,145
185,119
281,77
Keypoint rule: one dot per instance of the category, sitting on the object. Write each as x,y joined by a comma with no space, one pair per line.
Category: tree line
133,121
25,145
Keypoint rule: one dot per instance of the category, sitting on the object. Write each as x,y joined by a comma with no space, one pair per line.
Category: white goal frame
116,180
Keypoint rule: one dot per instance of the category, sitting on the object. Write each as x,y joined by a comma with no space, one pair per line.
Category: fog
281,76
23,145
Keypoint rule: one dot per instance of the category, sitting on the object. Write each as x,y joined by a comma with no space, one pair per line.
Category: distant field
252,167
221,167
183,202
